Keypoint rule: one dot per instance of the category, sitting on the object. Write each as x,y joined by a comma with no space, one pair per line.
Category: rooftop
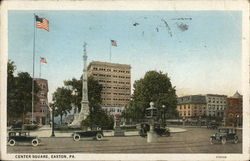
108,64
237,95
195,99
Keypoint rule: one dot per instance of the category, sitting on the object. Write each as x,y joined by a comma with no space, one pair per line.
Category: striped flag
43,60
113,43
42,23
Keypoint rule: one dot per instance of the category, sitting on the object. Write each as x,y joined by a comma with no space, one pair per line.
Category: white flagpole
110,51
40,68
33,73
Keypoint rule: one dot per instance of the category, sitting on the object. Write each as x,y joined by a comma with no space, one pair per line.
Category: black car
223,135
17,126
213,125
22,136
161,131
95,134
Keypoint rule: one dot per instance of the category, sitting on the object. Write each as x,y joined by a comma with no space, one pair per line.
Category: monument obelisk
84,103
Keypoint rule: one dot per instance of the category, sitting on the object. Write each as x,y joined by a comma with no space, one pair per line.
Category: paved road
194,140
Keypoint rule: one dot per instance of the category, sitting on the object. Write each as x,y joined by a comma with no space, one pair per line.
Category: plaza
193,140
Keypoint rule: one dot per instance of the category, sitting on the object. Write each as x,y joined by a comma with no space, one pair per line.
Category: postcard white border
132,5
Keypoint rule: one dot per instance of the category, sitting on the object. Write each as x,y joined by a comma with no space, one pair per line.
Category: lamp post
151,114
200,120
164,112
53,124
237,121
183,120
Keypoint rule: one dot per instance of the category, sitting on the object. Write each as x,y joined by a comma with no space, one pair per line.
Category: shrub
30,126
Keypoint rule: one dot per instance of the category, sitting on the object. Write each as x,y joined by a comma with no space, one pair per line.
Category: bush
66,128
130,127
30,126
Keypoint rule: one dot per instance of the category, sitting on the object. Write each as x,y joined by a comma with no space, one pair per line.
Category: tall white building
216,105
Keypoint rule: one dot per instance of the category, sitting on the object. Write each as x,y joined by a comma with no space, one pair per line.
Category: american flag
113,43
43,60
42,23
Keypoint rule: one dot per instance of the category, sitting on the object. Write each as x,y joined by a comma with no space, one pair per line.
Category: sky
200,50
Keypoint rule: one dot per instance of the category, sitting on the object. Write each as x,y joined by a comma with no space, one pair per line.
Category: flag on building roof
113,43
43,60
42,23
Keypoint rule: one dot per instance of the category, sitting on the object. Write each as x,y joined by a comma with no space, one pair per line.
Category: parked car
22,136
17,126
95,134
213,125
158,129
223,135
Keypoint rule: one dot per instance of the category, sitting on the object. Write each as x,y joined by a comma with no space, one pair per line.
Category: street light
164,119
237,123
183,120
200,121
53,124
151,115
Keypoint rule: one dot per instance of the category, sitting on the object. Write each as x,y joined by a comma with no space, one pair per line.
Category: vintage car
223,135
212,125
161,131
95,134
22,136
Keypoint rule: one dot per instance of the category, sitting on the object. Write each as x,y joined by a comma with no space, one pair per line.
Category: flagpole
40,69
33,73
110,51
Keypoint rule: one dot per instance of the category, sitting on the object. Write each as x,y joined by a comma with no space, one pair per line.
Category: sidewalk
45,131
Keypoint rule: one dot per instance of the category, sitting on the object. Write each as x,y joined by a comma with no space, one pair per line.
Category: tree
62,101
11,86
19,93
94,91
156,87
97,116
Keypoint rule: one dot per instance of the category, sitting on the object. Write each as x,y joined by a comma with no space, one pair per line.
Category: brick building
234,111
116,81
41,109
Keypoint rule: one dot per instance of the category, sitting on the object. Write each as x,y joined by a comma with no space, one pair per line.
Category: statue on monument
84,112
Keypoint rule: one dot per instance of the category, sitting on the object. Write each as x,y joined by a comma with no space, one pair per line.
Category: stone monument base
151,137
78,118
118,132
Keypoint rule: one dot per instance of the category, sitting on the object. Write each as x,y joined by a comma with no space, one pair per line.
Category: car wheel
211,141
223,140
34,142
76,137
98,136
12,142
236,140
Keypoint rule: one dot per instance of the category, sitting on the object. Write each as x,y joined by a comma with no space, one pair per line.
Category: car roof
226,128
18,132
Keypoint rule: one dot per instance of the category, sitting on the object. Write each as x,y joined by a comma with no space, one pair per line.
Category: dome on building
237,95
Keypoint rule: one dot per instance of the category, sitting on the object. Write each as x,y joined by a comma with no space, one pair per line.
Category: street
194,140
